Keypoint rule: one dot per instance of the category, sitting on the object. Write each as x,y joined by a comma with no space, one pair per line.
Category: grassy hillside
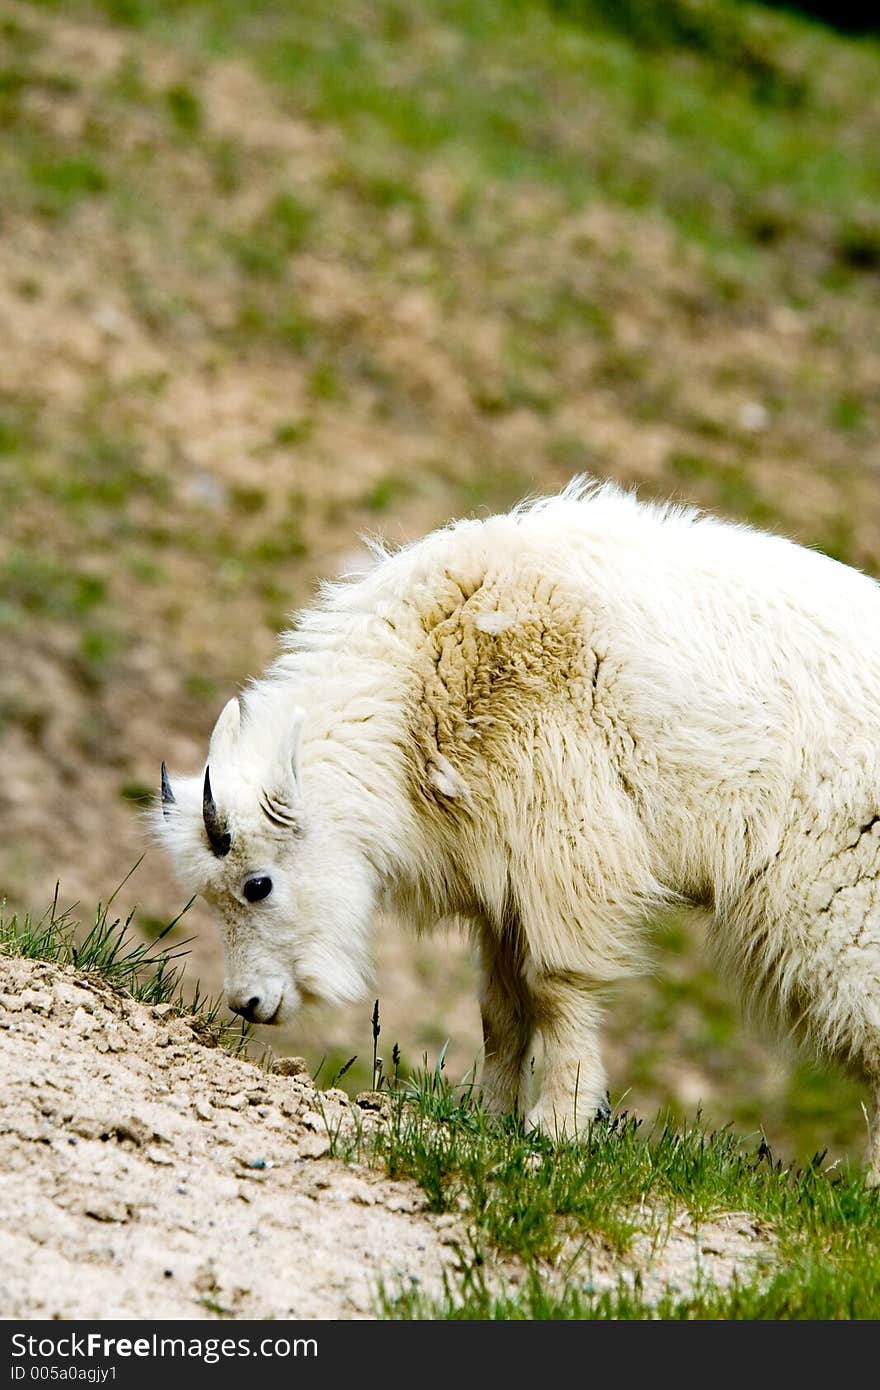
273,275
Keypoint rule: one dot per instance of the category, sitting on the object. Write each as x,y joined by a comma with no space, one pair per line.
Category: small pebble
374,1100
290,1066
159,1157
39,1002
238,1101
754,417
336,1093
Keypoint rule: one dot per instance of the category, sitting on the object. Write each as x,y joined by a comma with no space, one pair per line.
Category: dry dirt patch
147,1175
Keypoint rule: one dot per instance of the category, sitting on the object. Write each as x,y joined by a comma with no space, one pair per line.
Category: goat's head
293,891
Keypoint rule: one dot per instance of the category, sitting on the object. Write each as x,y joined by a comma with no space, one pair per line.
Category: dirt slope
146,1175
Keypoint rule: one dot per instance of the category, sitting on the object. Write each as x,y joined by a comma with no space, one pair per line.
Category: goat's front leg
568,1011
508,1025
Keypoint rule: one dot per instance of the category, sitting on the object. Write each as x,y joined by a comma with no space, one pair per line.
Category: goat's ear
225,733
290,750
281,797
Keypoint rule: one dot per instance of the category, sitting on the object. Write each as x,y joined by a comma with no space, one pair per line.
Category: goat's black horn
168,797
218,836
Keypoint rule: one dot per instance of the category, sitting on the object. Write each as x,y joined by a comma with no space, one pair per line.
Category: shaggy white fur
554,722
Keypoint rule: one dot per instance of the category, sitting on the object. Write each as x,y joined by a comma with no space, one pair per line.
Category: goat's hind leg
508,1025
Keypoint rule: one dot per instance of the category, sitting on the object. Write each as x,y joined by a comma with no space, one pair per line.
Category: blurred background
273,275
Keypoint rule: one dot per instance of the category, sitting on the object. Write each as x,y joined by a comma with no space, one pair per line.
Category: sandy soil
147,1175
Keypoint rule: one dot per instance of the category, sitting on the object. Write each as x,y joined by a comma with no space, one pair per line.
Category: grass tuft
108,951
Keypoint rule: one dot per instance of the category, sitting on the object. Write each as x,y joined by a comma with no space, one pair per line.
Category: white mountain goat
554,723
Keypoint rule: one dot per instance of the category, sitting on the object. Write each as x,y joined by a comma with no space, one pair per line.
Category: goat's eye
257,888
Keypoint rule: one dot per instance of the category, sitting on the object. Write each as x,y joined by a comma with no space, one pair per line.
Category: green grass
60,183
184,108
742,130
526,1198
107,949
817,1286
37,585
704,107
93,486
110,950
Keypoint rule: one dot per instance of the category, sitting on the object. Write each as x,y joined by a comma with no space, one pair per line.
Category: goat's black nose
249,1009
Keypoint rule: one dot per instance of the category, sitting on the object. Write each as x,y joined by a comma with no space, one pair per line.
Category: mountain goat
554,723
